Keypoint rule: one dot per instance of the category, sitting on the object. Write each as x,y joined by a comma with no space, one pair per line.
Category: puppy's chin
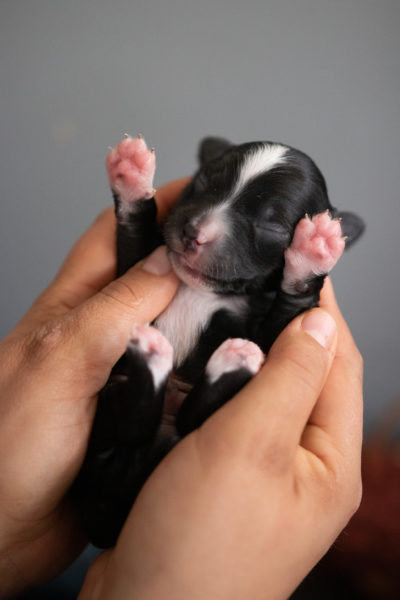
188,274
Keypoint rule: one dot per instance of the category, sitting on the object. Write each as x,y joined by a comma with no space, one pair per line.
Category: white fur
160,366
234,354
257,162
212,227
157,350
189,314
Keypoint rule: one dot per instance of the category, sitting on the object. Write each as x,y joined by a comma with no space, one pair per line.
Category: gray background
316,74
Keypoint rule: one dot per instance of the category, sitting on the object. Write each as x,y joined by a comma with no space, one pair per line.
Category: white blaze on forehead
264,158
258,161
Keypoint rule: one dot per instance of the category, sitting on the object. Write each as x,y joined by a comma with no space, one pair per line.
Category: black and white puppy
252,239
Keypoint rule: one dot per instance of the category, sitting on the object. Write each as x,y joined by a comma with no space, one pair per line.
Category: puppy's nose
192,237
190,232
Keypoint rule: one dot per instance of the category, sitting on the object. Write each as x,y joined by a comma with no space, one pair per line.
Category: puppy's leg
227,371
130,405
316,247
127,418
130,168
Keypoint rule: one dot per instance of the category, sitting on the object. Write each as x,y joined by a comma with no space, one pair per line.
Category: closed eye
273,232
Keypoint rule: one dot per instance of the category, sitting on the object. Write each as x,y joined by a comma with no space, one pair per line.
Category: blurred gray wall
321,75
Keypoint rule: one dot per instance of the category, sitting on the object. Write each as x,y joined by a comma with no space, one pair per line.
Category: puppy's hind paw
233,355
156,350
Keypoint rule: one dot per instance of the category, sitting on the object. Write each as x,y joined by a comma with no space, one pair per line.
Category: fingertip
321,326
106,216
157,262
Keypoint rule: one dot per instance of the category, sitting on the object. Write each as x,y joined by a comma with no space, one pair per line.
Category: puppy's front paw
233,355
316,247
130,168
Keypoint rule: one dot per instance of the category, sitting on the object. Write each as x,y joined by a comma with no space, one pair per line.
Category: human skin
53,364
246,505
241,508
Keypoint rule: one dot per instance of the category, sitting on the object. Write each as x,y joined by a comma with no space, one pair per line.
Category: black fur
247,262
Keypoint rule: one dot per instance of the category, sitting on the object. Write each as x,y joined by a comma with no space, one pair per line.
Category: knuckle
123,293
44,341
343,491
273,458
11,359
266,450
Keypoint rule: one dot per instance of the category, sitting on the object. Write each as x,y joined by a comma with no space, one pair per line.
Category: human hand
53,365
246,505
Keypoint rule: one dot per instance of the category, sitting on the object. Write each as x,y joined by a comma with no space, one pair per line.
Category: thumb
269,414
100,328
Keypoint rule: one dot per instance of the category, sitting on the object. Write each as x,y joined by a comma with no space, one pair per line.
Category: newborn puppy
252,238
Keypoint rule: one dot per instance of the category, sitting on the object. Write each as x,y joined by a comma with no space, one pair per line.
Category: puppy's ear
211,147
352,226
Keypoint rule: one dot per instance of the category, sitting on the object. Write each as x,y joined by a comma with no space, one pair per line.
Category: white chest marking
189,314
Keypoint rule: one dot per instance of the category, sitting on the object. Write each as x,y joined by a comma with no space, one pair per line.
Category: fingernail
157,263
321,326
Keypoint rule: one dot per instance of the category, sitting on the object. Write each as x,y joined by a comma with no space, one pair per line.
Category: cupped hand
246,505
53,365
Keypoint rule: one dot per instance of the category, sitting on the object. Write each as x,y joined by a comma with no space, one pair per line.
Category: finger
337,416
267,416
89,266
329,303
91,263
89,340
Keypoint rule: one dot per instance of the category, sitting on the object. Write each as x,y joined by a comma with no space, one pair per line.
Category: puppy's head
229,230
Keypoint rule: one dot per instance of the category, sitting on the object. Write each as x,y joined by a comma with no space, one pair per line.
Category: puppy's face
229,230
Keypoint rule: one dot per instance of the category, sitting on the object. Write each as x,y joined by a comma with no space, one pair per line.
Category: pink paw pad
316,247
234,354
130,167
156,349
